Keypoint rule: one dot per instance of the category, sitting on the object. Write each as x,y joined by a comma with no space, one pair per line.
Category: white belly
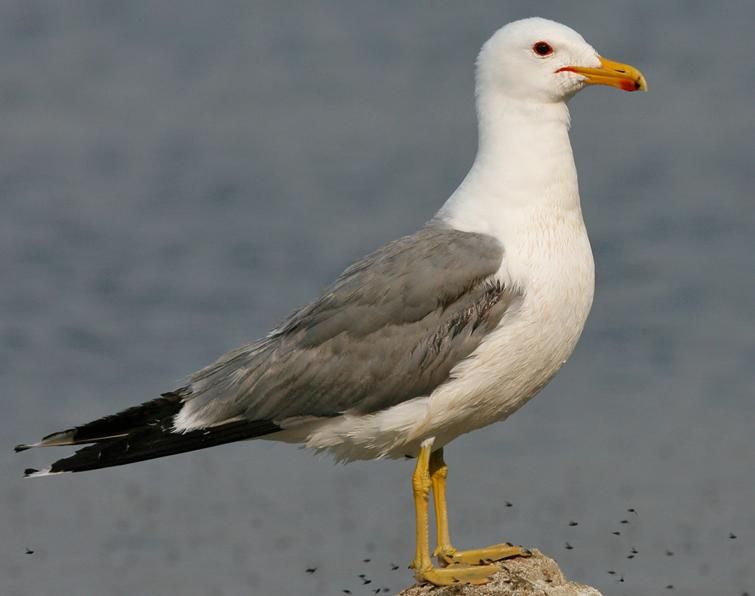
533,340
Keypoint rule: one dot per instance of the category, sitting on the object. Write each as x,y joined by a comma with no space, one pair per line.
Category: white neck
524,162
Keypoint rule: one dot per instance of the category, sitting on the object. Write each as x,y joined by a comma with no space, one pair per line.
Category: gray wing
390,328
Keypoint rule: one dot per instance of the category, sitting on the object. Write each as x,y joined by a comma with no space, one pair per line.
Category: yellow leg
445,552
438,475
421,489
423,567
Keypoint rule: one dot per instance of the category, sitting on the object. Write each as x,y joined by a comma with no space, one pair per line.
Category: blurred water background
176,177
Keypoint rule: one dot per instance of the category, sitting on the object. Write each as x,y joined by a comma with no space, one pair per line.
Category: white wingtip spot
25,446
32,473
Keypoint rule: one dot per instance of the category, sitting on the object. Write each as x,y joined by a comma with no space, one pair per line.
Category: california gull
431,336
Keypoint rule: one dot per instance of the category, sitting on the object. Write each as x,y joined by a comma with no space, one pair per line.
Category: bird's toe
456,575
480,556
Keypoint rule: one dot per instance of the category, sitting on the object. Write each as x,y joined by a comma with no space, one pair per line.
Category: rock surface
534,576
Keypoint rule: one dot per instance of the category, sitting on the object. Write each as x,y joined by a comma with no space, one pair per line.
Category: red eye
542,48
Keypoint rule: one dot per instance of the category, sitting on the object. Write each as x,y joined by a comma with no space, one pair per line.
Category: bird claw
481,556
456,574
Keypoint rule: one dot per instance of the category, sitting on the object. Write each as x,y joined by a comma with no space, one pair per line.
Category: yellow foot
480,556
456,574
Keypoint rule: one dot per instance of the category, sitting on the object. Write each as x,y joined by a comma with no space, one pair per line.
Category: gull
431,336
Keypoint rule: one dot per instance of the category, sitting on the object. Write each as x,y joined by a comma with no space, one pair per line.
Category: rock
537,575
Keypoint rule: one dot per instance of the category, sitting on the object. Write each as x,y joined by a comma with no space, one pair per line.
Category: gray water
175,177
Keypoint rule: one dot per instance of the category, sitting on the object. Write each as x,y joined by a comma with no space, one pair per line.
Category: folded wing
391,328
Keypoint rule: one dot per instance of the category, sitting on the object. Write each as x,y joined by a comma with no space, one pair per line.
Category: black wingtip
29,471
21,447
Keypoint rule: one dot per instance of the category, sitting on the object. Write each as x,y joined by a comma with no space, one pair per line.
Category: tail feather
115,425
140,433
153,442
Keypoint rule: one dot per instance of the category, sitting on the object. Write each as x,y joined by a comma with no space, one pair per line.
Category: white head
525,74
537,60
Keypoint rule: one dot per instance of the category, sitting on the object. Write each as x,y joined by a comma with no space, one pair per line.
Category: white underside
522,189
532,341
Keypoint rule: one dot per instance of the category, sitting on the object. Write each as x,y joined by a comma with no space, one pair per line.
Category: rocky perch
537,575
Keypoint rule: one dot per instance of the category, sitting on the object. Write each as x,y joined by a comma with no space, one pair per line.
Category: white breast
554,270
522,189
551,261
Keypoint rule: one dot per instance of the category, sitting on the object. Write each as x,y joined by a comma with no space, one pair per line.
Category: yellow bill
614,74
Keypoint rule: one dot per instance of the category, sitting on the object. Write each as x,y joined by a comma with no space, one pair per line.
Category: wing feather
390,328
